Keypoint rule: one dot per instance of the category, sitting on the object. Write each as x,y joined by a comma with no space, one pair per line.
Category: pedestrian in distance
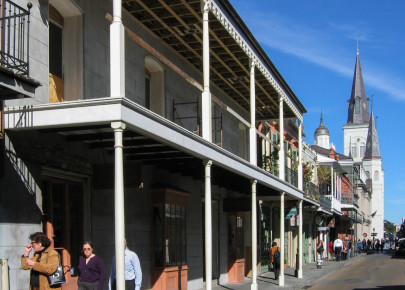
91,269
319,248
377,245
275,259
337,247
43,262
359,246
133,272
344,249
364,244
349,248
330,250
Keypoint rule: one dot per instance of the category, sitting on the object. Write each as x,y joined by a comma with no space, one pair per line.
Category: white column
117,53
252,129
281,276
208,226
300,177
206,94
119,205
281,168
332,179
254,237
300,251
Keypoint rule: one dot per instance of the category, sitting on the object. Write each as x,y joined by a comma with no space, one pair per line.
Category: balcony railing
350,200
311,190
326,202
14,37
291,176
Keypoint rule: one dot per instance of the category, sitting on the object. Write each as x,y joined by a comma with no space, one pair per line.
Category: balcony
311,190
14,52
15,22
350,200
291,176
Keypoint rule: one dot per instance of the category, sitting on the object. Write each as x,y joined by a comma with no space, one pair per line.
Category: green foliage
308,171
324,174
389,227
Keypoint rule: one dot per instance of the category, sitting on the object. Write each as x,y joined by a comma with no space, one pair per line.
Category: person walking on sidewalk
275,259
319,248
133,271
337,247
330,250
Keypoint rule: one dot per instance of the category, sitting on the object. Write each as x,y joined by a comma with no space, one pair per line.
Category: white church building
361,143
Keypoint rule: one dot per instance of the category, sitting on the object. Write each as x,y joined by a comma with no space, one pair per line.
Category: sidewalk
310,274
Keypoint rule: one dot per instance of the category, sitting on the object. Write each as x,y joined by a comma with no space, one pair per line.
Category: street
375,271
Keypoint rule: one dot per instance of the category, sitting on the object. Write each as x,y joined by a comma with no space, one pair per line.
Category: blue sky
313,44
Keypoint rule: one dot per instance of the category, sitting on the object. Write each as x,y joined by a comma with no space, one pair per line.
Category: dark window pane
55,50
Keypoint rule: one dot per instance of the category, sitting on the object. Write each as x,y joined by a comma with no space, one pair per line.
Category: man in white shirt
337,247
133,272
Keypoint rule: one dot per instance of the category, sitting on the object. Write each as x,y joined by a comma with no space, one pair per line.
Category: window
154,86
362,149
357,105
376,175
354,151
169,223
236,238
65,51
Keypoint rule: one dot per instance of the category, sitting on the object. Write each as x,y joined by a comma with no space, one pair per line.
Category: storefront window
169,221
236,239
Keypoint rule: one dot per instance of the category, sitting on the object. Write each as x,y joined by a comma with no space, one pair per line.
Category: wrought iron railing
311,190
14,37
291,176
350,200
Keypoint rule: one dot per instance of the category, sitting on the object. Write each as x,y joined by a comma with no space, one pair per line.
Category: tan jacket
47,266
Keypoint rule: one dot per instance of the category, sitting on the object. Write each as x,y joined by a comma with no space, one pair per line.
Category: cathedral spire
372,144
358,103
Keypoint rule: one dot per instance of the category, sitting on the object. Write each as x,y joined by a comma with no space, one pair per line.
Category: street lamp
373,233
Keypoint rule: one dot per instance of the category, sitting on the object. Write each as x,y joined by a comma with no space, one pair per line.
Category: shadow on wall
18,191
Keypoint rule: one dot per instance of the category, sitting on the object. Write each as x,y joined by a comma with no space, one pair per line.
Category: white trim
106,110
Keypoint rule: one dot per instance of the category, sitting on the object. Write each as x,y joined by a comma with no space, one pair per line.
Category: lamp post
373,233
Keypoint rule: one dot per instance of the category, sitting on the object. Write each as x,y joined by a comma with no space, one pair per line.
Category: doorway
63,224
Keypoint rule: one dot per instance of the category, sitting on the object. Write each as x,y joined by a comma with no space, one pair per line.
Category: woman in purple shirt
91,269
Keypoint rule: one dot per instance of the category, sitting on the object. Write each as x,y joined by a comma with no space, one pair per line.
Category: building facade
138,120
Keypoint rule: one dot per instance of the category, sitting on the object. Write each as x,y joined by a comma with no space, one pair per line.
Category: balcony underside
149,138
14,86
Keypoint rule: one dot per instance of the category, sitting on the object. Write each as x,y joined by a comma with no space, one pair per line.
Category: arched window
154,86
376,175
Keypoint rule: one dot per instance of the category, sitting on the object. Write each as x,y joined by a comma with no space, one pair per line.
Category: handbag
57,278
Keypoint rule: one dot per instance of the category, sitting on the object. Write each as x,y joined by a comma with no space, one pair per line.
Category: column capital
118,125
252,63
207,162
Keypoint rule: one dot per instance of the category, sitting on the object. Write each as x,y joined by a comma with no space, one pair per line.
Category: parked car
400,248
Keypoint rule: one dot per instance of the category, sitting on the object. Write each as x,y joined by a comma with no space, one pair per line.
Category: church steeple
372,144
358,103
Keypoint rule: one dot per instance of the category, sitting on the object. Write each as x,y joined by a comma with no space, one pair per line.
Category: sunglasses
86,249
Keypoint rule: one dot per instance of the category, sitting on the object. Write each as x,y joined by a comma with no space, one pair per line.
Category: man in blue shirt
133,272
